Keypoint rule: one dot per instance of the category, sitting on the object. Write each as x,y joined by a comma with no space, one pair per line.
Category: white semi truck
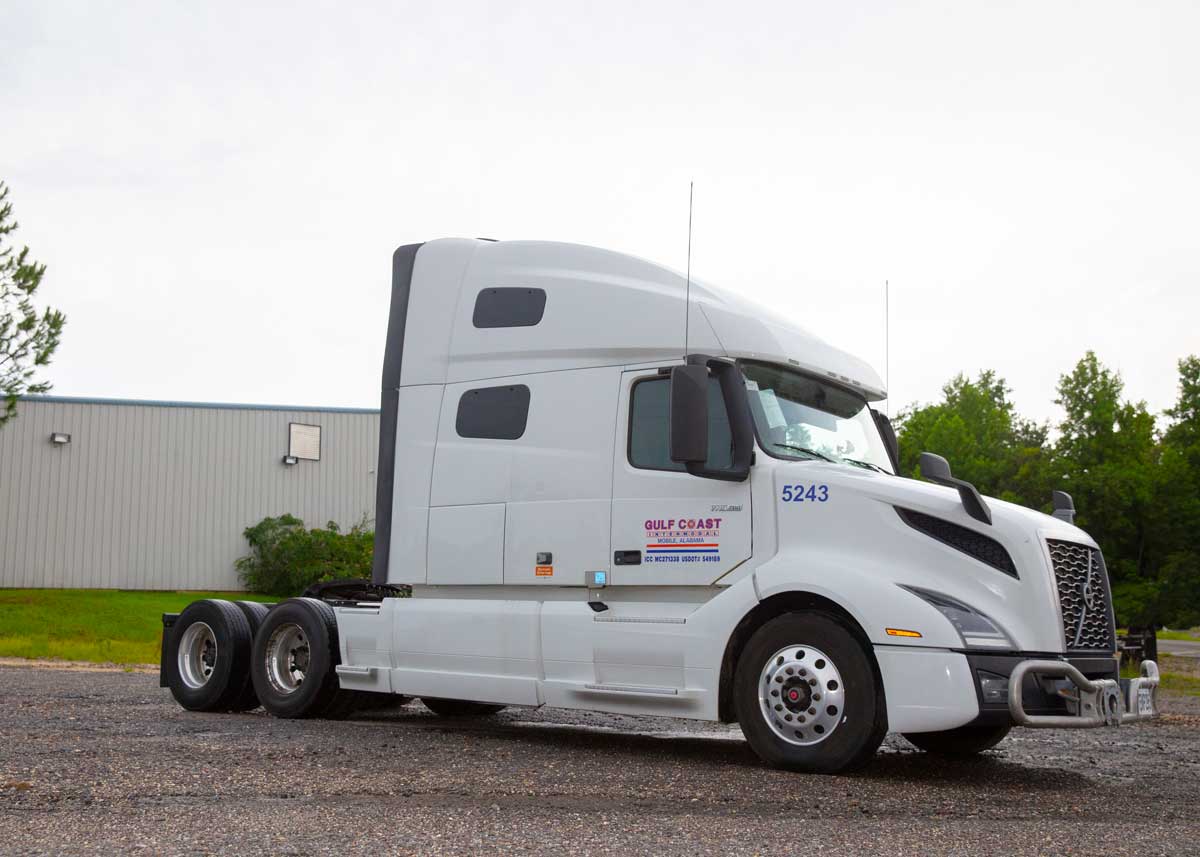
602,487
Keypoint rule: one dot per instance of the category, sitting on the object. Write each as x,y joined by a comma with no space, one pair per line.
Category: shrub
285,558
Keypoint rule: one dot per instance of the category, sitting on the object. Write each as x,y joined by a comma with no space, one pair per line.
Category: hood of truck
858,532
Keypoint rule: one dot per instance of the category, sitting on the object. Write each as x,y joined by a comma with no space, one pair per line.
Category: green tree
1184,432
1176,520
1107,455
1137,494
27,338
976,428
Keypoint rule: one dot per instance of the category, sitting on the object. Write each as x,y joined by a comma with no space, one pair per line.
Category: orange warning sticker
544,570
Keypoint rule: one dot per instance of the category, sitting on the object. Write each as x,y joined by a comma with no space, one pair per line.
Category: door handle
627,557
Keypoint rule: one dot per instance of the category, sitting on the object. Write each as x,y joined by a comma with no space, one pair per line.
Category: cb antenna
887,370
687,293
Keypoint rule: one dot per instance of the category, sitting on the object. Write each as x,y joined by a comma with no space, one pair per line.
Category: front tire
959,743
807,697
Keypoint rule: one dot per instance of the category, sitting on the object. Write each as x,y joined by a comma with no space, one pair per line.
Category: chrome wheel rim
197,657
801,695
287,658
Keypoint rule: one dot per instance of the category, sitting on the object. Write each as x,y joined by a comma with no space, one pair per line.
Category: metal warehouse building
109,493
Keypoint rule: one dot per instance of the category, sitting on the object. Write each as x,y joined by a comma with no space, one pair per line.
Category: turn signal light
902,632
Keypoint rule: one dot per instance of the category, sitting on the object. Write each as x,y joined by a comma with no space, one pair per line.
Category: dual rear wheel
207,657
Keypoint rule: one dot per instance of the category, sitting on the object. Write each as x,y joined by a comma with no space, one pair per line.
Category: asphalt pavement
1180,648
104,762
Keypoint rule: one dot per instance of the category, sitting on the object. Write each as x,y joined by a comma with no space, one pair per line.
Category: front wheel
961,742
806,695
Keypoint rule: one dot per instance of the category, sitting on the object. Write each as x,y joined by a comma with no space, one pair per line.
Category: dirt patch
77,666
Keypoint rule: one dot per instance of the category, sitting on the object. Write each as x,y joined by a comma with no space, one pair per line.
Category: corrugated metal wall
156,495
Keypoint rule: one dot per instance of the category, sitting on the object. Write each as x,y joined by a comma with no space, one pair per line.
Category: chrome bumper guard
1093,702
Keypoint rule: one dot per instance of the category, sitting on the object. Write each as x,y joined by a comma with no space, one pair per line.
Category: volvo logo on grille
1089,586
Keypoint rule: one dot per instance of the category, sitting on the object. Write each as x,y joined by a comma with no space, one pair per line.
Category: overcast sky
217,190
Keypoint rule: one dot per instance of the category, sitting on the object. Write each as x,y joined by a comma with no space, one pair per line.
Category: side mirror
689,417
888,433
1064,506
937,469
689,414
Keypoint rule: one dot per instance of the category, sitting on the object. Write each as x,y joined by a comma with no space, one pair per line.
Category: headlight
976,630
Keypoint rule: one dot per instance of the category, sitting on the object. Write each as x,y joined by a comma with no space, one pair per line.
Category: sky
217,188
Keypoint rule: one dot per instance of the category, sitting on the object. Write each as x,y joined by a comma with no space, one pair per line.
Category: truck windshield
800,416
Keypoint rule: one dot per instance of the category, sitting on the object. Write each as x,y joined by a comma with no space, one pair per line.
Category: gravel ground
100,762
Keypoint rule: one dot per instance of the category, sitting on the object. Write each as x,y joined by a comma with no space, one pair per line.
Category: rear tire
208,656
959,743
254,613
806,695
294,657
460,707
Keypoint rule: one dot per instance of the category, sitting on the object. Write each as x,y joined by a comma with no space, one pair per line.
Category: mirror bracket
937,469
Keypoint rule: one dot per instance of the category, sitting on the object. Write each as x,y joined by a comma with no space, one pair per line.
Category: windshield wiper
803,449
866,464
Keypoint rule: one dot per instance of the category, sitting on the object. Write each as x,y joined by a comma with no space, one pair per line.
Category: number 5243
802,494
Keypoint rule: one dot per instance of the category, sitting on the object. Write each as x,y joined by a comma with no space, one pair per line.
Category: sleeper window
499,413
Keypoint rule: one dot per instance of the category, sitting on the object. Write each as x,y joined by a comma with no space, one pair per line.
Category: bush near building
286,557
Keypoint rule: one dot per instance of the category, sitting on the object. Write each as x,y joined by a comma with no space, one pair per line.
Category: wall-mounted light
289,460
60,438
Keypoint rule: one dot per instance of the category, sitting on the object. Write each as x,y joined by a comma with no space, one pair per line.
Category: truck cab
605,486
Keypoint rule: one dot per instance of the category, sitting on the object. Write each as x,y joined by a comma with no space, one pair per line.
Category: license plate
1145,700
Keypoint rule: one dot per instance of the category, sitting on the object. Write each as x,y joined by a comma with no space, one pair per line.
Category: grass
1193,634
96,625
1177,675
1167,634
1188,685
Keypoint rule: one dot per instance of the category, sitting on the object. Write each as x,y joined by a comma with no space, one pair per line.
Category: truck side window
499,413
649,426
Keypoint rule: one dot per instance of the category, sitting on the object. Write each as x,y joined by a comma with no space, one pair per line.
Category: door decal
683,540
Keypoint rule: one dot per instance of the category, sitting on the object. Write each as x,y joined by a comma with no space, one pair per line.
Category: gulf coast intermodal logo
683,540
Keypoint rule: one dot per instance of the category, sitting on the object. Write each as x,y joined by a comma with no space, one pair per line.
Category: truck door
668,526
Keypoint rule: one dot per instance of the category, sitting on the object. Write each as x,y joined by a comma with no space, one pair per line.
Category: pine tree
28,338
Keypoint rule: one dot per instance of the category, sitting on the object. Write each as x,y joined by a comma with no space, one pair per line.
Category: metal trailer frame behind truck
608,488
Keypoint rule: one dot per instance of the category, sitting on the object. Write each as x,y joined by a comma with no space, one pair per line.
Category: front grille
1083,596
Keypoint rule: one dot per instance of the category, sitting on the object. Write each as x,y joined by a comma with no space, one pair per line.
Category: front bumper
1039,689
1089,702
